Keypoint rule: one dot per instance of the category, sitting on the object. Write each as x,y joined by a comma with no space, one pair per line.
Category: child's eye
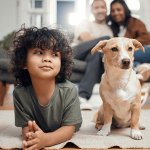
38,52
55,54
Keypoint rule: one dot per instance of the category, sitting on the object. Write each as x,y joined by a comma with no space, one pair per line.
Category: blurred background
64,13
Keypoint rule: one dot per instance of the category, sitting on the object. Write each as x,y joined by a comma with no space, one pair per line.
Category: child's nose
46,59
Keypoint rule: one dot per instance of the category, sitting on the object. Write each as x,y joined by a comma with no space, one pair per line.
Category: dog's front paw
105,130
136,134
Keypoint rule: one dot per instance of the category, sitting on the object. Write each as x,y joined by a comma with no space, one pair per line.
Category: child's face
43,64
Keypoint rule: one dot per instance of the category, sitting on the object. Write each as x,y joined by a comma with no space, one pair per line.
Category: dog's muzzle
125,63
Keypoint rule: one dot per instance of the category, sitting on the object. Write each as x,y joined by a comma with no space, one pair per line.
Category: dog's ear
99,46
137,45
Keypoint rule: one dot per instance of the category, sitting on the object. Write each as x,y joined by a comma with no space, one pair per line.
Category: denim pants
94,68
142,57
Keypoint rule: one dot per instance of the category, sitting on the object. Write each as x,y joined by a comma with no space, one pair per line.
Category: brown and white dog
120,88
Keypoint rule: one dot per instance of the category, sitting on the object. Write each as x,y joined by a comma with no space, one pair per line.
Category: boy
46,104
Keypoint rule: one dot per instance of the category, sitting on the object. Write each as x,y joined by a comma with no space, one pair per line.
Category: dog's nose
125,62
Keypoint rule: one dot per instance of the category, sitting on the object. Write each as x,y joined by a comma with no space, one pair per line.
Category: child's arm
40,139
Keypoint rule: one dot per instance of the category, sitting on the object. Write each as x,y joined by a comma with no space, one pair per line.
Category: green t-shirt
63,108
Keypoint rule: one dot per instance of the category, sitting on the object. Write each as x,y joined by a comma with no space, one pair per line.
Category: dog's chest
120,94
121,89
124,94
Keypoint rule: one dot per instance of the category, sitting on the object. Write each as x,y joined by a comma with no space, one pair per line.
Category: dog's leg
105,130
99,118
135,114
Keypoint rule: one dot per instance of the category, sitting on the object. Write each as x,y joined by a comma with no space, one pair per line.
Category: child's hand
30,129
36,139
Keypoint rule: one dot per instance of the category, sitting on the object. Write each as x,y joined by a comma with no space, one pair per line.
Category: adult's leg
80,51
92,75
142,57
78,70
76,77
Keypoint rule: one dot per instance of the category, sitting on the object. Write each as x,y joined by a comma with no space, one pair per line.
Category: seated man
87,35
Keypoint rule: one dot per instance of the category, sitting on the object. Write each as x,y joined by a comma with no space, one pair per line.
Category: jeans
142,57
94,67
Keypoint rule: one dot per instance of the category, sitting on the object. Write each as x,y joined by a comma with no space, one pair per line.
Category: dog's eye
114,49
130,49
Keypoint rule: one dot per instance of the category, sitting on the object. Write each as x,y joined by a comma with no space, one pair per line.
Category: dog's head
118,52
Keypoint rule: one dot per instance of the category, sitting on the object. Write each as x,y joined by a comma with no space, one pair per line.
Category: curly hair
43,38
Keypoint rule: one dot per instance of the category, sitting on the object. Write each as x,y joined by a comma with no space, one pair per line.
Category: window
38,3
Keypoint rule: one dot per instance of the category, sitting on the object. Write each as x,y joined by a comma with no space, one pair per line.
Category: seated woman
123,24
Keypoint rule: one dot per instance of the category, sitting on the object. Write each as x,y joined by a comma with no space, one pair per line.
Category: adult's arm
136,29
